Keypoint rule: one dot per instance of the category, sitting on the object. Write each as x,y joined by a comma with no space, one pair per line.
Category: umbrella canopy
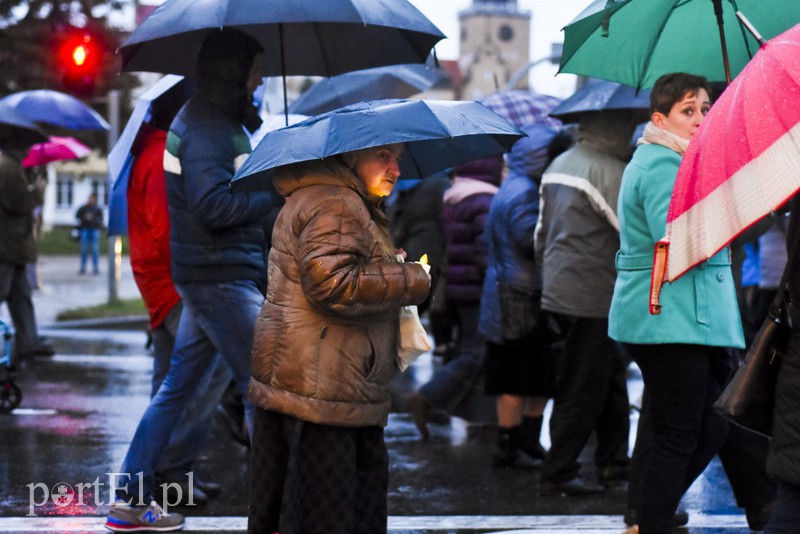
599,95
396,81
55,149
436,135
301,37
16,130
120,158
522,107
742,162
56,109
635,41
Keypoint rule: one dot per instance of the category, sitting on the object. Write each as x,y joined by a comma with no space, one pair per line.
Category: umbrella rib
650,52
742,29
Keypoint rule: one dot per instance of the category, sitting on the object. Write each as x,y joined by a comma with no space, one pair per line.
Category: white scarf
653,135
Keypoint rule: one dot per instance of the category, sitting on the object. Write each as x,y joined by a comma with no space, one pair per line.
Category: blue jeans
190,434
90,238
217,320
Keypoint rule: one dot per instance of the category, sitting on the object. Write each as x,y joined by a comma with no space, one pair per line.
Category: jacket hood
609,132
223,67
529,156
489,170
147,135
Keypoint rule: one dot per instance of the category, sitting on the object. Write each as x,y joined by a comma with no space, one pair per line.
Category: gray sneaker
126,518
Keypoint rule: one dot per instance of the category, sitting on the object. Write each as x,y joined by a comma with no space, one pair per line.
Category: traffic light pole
114,242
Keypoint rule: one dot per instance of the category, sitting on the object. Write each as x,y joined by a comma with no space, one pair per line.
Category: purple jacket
466,206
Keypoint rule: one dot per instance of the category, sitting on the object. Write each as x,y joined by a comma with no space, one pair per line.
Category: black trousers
682,382
307,478
591,395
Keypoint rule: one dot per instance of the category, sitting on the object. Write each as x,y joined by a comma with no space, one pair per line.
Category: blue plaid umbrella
522,107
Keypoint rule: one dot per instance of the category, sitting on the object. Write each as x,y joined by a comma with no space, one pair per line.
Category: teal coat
698,308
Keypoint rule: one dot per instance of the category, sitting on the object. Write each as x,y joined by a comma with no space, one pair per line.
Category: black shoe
757,518
574,487
681,517
212,489
41,350
515,460
612,474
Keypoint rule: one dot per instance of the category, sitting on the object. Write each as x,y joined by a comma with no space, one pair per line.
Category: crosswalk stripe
516,524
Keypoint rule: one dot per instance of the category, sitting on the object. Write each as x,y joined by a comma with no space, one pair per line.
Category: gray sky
549,16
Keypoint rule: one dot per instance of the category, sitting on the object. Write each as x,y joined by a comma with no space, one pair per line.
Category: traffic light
80,59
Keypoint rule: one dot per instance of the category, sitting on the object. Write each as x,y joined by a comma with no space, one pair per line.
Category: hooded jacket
216,233
148,225
466,205
577,236
324,345
17,201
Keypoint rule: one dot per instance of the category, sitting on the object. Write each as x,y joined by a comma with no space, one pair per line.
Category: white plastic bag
412,339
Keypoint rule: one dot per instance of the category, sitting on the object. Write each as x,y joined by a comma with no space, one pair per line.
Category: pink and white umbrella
743,162
55,149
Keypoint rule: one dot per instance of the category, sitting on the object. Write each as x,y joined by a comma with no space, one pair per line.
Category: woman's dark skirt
307,478
524,367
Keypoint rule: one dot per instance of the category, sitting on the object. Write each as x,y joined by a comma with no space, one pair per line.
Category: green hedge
56,242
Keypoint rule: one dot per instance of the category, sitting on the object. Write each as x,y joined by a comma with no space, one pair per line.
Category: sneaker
126,518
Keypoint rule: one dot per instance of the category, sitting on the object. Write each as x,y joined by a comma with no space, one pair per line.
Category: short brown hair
670,89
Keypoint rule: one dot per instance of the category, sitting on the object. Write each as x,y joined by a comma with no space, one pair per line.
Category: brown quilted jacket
324,345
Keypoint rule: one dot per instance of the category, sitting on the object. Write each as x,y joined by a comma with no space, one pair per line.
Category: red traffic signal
80,58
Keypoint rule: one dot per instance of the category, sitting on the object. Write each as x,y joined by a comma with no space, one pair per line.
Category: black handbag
749,397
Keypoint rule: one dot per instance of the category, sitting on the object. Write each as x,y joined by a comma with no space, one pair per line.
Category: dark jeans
15,290
785,518
682,382
591,395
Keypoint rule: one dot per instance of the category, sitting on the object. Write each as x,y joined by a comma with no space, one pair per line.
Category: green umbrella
633,42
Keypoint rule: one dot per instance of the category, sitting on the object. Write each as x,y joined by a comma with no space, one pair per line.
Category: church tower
495,43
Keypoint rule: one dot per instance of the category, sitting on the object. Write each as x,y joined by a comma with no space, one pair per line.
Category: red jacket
148,225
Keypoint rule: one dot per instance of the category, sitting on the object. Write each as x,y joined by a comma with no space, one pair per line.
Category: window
64,191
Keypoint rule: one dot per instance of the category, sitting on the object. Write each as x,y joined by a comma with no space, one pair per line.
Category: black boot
508,452
530,431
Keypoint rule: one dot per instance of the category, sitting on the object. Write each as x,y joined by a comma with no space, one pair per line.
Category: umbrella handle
657,277
749,27
721,27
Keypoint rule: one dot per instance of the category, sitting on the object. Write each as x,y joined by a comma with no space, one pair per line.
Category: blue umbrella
120,158
396,81
598,95
16,131
436,135
301,37
56,109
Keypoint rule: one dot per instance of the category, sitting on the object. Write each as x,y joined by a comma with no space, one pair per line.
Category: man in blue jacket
217,248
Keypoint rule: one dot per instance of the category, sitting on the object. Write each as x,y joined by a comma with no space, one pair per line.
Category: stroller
10,394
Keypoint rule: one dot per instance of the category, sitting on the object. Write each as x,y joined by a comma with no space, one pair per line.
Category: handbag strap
779,301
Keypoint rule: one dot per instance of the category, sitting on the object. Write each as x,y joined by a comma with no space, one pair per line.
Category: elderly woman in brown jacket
324,348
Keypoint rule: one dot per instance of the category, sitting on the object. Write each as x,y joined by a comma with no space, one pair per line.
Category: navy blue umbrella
395,81
56,109
16,131
301,37
436,135
598,95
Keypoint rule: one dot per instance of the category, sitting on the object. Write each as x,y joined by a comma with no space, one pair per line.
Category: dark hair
671,88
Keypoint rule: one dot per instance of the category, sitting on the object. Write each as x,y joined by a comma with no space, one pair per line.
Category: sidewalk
62,288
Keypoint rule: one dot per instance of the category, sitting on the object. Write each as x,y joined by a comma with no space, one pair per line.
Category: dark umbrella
436,135
598,95
395,81
301,37
17,131
56,109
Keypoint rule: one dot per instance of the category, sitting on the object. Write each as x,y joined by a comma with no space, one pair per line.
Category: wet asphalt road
80,409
